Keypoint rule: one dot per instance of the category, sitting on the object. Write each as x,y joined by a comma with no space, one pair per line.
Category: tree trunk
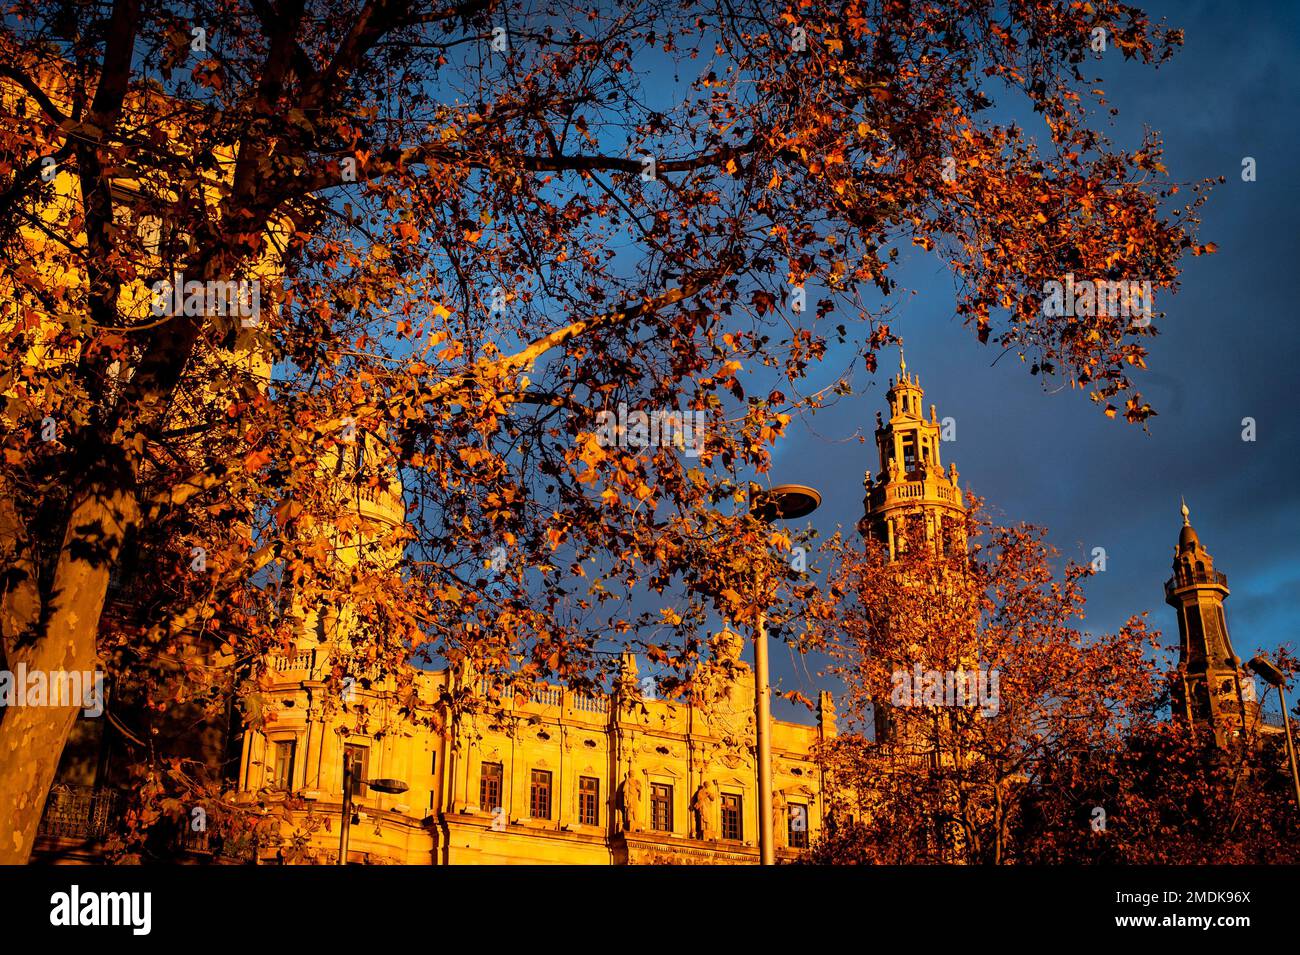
999,813
32,737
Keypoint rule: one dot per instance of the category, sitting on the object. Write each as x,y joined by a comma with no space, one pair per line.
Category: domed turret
1187,539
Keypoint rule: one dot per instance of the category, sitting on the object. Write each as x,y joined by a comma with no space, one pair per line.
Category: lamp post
783,502
391,786
1268,671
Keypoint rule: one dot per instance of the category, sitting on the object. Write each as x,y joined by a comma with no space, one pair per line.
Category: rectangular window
731,825
357,758
661,807
798,831
489,787
539,795
282,767
589,801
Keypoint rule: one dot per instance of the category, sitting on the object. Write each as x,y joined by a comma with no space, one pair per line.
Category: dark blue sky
1228,349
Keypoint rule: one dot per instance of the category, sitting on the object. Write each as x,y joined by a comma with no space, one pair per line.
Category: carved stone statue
631,802
726,646
826,714
778,818
628,682
719,679
702,810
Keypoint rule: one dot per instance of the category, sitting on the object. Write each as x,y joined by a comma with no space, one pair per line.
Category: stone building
554,776
489,773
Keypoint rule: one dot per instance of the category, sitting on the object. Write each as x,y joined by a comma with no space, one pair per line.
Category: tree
1072,756
1169,795
477,226
967,661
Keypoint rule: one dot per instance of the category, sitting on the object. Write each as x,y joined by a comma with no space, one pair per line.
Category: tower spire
1209,691
914,502
913,489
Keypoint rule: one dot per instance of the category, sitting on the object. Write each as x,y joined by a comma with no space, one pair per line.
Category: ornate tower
358,524
912,485
1209,690
913,497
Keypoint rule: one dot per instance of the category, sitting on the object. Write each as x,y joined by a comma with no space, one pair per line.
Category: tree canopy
474,227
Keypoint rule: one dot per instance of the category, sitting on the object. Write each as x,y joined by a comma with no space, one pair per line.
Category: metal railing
1272,718
86,814
1186,578
241,849
80,812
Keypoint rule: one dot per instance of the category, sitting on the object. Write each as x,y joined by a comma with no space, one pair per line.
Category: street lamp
392,787
1268,671
783,502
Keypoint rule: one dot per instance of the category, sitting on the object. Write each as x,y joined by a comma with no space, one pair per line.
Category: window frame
591,794
739,812
661,794
350,751
797,838
277,747
541,782
484,777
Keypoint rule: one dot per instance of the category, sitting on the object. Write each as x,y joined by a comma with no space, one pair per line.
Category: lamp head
785,502
1266,670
